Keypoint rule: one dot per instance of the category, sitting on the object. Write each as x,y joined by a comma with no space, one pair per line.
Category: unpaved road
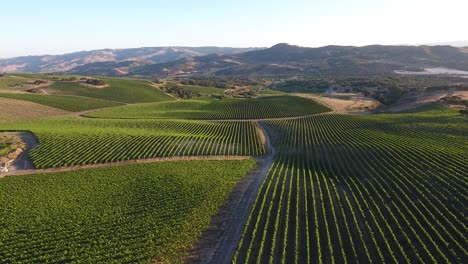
23,162
219,242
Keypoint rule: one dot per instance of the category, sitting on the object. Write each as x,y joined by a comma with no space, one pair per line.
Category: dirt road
22,162
218,244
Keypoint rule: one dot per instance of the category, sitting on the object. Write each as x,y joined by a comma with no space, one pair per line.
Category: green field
74,96
120,90
68,103
127,214
3,149
264,107
16,83
78,141
367,189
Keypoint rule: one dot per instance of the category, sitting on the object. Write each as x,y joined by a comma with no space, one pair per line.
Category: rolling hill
286,60
280,60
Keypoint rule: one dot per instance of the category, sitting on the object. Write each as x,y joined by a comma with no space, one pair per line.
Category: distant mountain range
280,60
109,58
459,43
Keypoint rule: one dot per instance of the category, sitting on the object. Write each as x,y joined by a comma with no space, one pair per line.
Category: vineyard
68,103
124,214
71,141
368,189
263,107
119,90
381,188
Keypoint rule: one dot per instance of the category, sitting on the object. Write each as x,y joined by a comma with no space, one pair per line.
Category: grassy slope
120,90
264,107
129,214
19,110
68,103
14,83
82,97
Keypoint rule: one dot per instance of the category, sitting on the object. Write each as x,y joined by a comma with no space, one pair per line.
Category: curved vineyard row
67,142
264,107
362,189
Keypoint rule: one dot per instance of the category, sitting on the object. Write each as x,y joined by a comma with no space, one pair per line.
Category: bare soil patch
352,104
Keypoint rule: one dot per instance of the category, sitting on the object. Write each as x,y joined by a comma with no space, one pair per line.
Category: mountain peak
283,46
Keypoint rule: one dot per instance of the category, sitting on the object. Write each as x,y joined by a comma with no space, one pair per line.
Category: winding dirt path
23,161
219,242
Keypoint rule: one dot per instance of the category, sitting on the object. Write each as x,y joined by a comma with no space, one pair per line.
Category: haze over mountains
139,56
458,43
280,60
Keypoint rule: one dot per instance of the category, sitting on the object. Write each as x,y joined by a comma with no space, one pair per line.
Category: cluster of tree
454,100
39,82
224,83
243,92
65,79
388,96
181,93
301,85
95,82
385,89
34,90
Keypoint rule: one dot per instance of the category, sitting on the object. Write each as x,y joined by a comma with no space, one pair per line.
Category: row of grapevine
360,189
264,107
67,142
139,213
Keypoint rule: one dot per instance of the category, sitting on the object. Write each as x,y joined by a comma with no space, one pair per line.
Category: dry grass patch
351,104
18,110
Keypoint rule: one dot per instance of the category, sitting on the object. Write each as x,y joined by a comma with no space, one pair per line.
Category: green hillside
69,103
263,107
120,90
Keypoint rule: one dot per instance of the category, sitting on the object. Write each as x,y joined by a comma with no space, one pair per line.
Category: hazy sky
56,27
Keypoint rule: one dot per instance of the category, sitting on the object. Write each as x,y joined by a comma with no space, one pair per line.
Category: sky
57,27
